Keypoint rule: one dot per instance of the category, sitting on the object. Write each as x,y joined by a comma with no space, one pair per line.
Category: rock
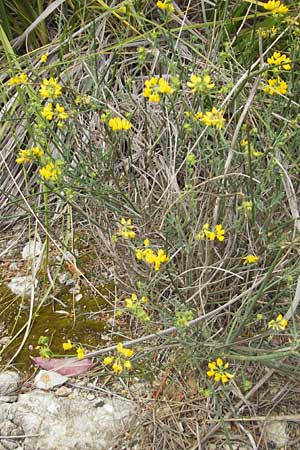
4,340
64,277
31,250
275,434
13,267
7,428
9,383
63,391
22,285
47,379
68,424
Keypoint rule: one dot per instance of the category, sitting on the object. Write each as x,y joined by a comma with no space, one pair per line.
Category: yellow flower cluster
276,7
50,88
155,87
125,230
250,259
276,86
135,306
83,100
51,171
166,5
265,33
279,324
59,112
80,353
211,118
217,233
117,124
29,154
183,318
200,84
253,152
44,57
278,59
18,79
246,205
218,370
120,361
148,255
68,346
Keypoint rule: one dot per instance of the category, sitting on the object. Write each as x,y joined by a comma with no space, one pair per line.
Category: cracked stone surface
49,422
9,383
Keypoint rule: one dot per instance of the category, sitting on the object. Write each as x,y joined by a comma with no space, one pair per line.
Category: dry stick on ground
289,418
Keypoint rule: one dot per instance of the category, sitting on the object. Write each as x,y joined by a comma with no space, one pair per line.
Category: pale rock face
47,379
22,285
31,250
276,433
66,423
9,383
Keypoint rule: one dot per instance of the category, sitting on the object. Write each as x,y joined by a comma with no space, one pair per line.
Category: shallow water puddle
83,321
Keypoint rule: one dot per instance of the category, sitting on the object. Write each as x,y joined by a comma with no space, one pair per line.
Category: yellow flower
211,235
50,88
217,370
28,155
44,58
18,79
125,230
48,112
150,257
212,118
200,84
278,59
128,303
164,87
276,7
246,206
60,112
276,86
117,367
160,258
279,324
250,259
127,365
80,353
124,351
108,360
83,100
166,5
250,148
155,87
139,254
67,345
117,124
220,232
51,171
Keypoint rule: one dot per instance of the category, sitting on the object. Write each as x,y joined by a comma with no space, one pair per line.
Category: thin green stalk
234,332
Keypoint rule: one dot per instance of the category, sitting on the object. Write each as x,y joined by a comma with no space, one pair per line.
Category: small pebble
63,391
